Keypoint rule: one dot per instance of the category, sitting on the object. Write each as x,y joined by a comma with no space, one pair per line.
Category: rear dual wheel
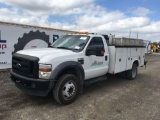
132,74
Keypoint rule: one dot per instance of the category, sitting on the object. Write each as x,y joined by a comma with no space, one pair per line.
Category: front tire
132,74
66,89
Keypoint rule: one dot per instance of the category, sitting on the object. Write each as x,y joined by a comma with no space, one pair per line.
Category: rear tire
132,74
66,89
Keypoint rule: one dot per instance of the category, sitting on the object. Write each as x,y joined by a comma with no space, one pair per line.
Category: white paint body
148,46
121,59
112,65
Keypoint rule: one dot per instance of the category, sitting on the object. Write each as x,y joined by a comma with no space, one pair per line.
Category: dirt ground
112,99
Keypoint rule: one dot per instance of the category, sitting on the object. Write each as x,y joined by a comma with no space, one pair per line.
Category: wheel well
71,70
136,62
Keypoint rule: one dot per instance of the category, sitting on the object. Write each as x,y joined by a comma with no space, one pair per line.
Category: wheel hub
68,90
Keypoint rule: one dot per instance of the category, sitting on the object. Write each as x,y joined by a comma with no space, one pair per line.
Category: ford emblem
18,64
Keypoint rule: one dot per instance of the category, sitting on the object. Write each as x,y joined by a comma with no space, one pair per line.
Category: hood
46,52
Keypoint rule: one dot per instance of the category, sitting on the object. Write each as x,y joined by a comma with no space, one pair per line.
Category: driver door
95,63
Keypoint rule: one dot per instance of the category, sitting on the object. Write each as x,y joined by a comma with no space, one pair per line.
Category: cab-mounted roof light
78,33
83,33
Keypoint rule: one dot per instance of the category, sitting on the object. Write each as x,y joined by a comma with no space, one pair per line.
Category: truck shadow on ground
40,101
17,100
111,81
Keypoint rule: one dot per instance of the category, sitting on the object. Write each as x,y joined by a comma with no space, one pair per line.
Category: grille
25,65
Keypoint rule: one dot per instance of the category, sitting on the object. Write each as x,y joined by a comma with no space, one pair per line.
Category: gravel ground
112,99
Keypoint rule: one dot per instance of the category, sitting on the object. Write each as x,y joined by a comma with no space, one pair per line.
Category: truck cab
69,62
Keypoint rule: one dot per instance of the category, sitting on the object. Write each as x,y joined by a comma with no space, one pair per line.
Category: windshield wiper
50,46
64,48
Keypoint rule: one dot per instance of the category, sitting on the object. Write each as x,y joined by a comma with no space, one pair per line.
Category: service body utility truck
71,61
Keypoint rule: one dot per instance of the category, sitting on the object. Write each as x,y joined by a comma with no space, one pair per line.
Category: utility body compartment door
121,59
142,56
129,59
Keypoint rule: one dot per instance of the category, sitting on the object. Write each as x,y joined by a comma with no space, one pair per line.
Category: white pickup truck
71,61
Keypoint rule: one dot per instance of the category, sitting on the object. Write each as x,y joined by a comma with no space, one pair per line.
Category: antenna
137,35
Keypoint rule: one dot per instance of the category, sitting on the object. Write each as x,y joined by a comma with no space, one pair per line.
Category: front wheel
132,74
66,89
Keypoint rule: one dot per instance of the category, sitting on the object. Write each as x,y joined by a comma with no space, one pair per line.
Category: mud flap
145,63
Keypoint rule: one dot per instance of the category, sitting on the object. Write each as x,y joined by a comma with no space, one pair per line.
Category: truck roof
111,40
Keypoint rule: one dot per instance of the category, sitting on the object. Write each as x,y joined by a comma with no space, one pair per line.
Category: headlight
45,71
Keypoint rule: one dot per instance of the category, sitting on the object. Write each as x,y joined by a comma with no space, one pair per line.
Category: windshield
71,42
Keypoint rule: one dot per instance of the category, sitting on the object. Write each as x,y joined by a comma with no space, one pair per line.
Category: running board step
93,80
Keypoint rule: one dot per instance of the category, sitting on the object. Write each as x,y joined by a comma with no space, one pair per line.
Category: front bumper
37,87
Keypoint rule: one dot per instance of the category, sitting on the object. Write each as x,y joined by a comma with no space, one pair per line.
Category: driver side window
96,41
96,46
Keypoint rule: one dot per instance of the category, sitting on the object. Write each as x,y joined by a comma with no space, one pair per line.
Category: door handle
106,58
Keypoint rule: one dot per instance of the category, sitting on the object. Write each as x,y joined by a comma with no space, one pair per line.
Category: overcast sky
98,16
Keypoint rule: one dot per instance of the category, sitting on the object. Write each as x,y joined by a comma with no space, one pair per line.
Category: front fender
69,64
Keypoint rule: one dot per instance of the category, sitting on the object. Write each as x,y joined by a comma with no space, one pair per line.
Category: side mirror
90,51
